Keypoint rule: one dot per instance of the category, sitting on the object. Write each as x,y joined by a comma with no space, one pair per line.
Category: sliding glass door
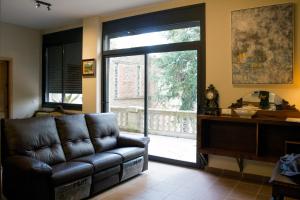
165,96
172,104
126,92
154,79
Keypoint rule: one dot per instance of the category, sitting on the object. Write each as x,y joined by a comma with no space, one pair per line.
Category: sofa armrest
26,178
28,165
127,141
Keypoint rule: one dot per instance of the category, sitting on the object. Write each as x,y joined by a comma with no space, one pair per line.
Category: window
155,38
127,73
154,78
62,76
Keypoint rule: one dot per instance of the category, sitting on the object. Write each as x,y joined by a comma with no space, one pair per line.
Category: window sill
75,107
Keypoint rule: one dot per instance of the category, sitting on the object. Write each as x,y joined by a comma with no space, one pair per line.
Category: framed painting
262,42
89,68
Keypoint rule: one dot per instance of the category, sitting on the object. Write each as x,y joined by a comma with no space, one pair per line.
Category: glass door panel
172,104
126,76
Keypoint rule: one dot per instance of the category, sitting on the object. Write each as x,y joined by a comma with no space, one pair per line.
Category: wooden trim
257,139
10,88
9,104
10,84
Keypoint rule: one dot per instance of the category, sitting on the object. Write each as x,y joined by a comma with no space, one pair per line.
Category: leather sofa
67,157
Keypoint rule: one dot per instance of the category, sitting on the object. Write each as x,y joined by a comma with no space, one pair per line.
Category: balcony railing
160,122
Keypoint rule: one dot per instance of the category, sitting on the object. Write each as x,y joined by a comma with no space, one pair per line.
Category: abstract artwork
262,45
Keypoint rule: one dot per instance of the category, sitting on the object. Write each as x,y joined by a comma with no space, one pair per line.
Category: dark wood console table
254,139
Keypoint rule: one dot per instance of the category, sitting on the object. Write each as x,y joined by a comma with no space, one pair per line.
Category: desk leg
277,198
0,182
202,159
276,194
240,162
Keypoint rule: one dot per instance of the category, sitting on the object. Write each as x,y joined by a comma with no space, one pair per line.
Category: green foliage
177,77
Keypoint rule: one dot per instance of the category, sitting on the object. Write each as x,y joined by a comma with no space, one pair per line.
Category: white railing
160,122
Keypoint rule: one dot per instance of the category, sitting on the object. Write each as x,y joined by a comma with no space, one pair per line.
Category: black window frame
58,39
158,21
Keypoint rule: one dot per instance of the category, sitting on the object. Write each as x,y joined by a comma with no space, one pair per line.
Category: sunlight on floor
171,147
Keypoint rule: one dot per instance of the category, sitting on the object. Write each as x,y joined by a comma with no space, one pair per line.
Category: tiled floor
166,182
163,146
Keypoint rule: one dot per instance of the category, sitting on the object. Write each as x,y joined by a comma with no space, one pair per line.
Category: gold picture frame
89,68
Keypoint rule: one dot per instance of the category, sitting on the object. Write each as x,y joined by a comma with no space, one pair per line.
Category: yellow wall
218,60
218,40
91,49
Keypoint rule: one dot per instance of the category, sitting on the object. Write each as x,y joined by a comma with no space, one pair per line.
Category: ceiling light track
42,3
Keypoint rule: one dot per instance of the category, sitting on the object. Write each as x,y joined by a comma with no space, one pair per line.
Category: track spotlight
39,3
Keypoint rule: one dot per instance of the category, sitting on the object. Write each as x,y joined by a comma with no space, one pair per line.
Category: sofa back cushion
74,136
34,137
103,129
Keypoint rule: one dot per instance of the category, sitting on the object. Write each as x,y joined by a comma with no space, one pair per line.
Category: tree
178,71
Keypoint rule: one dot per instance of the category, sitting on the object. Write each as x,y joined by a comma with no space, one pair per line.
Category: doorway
4,101
155,94
4,89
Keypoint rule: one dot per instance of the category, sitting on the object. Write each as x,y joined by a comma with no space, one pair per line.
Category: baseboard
238,175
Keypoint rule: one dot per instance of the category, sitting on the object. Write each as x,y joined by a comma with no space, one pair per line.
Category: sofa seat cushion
101,161
70,171
128,153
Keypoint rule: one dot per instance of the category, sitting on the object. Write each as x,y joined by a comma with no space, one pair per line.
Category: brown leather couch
67,157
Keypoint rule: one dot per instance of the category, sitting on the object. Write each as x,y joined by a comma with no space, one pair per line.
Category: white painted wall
23,47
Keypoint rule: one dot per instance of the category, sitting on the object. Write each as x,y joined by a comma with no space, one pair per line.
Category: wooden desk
283,186
255,139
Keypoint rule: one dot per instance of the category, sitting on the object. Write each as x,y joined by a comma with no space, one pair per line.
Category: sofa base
132,168
105,179
76,190
104,184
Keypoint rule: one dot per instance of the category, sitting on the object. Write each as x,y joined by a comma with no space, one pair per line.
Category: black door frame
200,85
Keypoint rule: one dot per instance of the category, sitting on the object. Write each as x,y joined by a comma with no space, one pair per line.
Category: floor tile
238,195
263,197
266,190
167,182
248,187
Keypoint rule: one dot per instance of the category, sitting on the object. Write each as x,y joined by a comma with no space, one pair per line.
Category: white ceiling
63,12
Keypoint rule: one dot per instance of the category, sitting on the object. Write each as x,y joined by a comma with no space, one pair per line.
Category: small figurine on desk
211,106
264,99
239,103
